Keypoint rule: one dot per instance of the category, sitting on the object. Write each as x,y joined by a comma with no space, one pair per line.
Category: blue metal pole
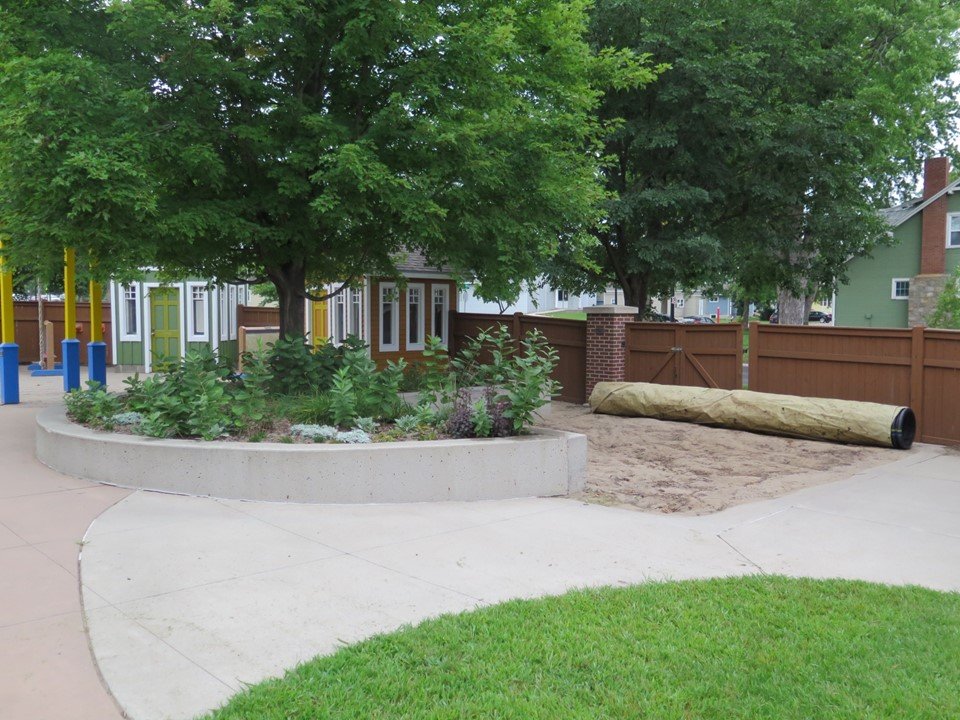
9,374
71,364
97,362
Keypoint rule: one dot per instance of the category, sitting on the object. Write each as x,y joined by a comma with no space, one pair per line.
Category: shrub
367,424
353,437
308,409
127,419
947,313
408,424
460,423
317,433
93,406
195,399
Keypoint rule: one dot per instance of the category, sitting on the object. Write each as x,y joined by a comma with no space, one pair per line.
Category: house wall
132,353
380,356
865,300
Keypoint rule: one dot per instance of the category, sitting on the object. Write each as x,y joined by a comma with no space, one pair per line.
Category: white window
678,302
953,230
440,311
232,312
415,317
900,289
339,317
389,317
130,312
197,313
562,296
356,314
224,313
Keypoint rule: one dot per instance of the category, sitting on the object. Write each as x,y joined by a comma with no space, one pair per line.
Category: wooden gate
676,354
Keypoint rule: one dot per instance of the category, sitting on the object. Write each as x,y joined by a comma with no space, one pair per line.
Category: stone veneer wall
925,291
607,343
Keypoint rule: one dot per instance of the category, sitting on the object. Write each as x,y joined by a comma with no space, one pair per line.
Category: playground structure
96,347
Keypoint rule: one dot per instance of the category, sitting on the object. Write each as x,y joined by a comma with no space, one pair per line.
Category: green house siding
129,353
228,352
864,301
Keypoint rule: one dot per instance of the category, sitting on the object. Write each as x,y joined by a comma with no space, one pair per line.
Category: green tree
762,152
300,141
947,313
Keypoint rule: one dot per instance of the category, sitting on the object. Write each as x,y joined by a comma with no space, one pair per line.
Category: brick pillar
607,343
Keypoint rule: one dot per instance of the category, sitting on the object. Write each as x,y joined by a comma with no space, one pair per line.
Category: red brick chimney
936,175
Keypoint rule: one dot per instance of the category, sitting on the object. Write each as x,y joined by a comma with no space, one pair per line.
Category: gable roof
899,214
415,261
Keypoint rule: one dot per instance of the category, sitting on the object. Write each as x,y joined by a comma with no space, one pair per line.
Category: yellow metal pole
96,312
69,294
6,301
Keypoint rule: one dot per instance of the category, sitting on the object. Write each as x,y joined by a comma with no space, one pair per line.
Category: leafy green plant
293,369
947,314
307,409
367,424
343,399
93,406
437,384
407,424
482,422
195,398
526,380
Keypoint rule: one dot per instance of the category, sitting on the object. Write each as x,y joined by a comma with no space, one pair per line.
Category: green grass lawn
757,647
568,314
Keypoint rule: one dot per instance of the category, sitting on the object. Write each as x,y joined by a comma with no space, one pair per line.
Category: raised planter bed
546,462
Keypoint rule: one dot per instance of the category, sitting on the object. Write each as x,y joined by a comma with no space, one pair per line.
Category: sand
672,467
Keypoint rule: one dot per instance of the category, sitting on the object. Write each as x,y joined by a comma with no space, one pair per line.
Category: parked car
774,318
700,320
651,316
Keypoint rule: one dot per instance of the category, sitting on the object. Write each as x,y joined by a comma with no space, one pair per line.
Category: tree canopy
762,153
300,141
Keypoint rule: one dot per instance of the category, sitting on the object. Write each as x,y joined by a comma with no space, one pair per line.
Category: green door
164,325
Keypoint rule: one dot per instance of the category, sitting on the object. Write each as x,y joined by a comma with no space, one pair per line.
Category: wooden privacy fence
27,329
675,354
249,316
568,337
919,368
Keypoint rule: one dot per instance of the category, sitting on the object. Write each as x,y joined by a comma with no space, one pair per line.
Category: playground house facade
156,321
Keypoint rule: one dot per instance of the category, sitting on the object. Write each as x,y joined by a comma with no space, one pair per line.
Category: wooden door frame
148,323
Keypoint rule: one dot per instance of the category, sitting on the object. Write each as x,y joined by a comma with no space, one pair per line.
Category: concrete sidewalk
190,599
46,670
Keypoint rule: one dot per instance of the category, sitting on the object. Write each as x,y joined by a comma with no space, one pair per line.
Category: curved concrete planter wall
547,462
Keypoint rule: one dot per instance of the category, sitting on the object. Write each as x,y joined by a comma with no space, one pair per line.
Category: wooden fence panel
251,316
868,364
939,415
568,337
919,368
678,354
27,329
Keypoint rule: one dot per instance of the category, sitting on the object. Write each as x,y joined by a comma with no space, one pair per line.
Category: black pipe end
904,429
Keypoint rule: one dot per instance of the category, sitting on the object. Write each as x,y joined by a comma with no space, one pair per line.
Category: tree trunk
792,309
290,281
636,292
745,313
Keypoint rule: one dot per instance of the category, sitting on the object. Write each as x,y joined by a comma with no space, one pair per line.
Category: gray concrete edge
543,463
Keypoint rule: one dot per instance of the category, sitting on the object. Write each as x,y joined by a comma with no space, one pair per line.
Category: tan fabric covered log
814,418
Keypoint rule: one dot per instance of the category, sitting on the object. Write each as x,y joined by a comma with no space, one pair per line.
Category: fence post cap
611,310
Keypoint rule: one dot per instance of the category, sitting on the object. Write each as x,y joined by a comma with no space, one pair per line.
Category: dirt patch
673,467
